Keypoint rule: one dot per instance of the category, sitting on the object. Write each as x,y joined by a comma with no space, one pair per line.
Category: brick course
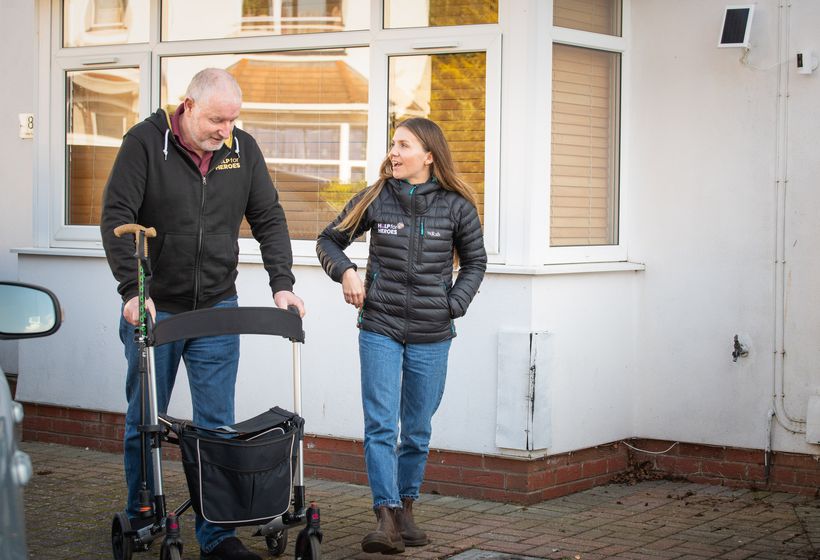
485,477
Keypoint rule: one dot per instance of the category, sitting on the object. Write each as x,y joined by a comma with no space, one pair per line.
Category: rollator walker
248,474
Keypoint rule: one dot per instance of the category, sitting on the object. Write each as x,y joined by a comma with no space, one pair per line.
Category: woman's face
408,157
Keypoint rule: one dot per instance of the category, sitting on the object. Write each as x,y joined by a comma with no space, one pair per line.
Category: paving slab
75,492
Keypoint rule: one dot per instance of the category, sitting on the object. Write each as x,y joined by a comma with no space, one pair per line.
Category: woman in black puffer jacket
420,215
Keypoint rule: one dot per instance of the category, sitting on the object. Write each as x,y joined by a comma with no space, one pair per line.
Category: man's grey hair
212,80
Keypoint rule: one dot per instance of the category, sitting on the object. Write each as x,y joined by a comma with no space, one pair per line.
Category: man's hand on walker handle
131,310
284,299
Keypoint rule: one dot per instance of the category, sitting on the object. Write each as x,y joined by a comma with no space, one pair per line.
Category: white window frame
441,42
608,43
53,231
249,247
80,236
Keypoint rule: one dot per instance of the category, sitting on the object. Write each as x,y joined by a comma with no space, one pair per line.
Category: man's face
211,120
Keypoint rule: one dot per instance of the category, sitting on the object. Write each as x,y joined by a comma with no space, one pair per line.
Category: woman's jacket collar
420,196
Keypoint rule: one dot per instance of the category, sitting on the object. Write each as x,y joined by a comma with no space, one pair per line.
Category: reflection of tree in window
255,8
108,14
401,13
459,12
453,94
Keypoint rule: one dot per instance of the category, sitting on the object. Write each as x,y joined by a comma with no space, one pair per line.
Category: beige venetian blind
584,174
595,16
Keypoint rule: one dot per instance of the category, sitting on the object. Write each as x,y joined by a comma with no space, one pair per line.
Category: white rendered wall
704,135
644,353
17,59
82,365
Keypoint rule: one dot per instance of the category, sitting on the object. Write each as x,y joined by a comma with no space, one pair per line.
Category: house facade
648,197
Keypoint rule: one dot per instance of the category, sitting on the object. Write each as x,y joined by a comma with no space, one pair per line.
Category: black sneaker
229,549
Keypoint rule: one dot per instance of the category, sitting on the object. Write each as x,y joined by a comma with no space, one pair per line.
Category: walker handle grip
125,229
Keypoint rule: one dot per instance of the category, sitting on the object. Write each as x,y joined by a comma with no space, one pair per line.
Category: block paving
75,492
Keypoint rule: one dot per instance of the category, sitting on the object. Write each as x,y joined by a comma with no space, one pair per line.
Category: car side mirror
27,311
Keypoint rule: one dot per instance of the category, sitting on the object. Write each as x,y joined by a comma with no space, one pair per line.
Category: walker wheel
277,542
308,547
121,545
170,552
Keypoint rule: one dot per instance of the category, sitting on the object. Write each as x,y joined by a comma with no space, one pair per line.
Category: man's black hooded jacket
155,183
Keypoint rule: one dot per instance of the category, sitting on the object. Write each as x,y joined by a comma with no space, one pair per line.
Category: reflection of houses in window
102,106
104,22
308,113
107,14
282,17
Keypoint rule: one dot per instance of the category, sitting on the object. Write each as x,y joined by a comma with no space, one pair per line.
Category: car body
26,311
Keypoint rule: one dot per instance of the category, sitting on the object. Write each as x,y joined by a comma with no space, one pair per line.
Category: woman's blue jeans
402,386
212,364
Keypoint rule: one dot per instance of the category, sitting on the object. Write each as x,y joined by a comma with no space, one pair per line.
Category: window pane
449,89
102,106
434,13
104,22
596,16
585,146
242,18
307,111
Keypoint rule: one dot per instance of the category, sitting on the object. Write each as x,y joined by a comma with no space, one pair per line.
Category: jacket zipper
410,262
199,242
421,241
201,229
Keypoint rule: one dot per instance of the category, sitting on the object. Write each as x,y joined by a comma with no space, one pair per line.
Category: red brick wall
729,466
487,477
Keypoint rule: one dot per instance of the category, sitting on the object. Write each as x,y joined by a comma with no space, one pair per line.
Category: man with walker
192,176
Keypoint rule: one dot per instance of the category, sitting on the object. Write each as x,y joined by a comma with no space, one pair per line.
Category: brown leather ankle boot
386,538
410,533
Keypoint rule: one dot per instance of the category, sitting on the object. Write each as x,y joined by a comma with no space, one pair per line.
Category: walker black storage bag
241,474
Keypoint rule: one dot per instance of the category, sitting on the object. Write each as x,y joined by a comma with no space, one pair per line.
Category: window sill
567,268
547,269
100,253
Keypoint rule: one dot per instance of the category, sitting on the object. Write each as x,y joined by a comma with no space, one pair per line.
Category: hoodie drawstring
235,139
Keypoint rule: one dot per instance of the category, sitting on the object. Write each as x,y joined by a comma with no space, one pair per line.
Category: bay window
323,81
324,84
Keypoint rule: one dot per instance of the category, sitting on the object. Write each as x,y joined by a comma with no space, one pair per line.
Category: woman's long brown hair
443,169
